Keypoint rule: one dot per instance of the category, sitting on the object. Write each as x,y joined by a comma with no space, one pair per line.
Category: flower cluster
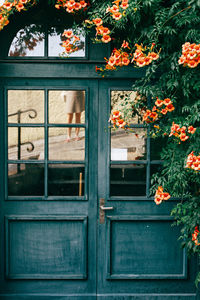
195,236
193,162
144,56
101,31
71,6
116,119
117,10
161,196
181,132
120,57
71,44
161,107
8,8
190,55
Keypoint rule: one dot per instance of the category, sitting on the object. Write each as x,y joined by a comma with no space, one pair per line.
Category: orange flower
170,107
159,102
114,9
161,196
191,129
70,9
167,101
125,45
195,236
124,5
77,6
105,31
164,111
112,61
153,55
68,33
183,137
121,123
106,38
116,114
97,21
83,3
117,16
19,6
125,61
8,5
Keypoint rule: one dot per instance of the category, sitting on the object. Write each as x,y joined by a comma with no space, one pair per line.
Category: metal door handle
106,207
102,210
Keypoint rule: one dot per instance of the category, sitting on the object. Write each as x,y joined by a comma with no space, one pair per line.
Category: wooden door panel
47,247
142,247
48,201
142,258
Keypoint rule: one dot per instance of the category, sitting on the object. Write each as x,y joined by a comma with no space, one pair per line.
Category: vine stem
176,14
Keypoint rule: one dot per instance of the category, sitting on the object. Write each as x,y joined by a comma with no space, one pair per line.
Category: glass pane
55,40
67,106
156,147
28,41
61,147
25,179
124,101
25,143
25,106
128,180
128,146
66,180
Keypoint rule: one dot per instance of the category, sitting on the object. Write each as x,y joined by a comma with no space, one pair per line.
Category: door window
42,41
46,137
132,153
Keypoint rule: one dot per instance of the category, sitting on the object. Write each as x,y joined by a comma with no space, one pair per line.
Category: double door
77,220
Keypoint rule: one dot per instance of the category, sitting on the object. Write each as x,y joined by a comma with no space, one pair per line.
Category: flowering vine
10,7
160,195
190,55
195,237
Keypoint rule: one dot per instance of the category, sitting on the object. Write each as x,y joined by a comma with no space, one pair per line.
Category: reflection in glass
66,180
28,41
25,143
60,148
128,146
55,40
124,101
25,179
25,106
128,180
67,106
157,145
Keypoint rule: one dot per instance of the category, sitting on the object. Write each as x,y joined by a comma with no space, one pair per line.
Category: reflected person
75,104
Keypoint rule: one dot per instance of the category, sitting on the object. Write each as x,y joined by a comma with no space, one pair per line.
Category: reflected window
25,179
25,143
63,148
28,41
25,106
124,102
56,39
40,41
66,180
69,106
128,180
128,146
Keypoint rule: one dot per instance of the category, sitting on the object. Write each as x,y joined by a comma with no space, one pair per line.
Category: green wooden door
56,240
139,256
48,190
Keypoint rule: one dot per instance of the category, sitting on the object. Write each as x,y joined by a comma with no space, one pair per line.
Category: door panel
141,257
48,209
